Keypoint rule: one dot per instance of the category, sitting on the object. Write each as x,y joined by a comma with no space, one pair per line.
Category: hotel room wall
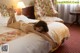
13,3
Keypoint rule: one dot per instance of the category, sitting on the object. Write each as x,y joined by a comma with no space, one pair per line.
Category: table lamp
20,5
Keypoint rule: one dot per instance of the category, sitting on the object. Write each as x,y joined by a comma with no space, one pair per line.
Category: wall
10,3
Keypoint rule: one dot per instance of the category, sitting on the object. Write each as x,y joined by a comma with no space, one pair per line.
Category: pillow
51,19
25,19
44,8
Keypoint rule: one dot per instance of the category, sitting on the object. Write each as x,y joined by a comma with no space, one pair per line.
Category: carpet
72,45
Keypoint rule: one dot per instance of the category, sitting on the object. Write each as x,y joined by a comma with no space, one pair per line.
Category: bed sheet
28,43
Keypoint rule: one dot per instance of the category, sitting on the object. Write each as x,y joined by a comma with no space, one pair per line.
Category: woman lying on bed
39,28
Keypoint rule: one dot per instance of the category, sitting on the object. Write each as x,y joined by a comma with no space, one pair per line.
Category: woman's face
39,29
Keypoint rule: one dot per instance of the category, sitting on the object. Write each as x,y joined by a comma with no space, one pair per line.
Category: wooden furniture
29,12
77,14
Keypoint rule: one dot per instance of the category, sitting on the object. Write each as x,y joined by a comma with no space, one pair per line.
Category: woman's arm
44,36
48,38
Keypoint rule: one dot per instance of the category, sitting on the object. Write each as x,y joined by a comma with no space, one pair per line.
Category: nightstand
77,14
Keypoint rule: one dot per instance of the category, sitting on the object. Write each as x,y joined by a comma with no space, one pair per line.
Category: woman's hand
55,45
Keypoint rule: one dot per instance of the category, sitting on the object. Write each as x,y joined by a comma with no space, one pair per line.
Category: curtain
64,11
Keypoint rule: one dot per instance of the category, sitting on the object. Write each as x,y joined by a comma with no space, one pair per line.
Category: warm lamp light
20,5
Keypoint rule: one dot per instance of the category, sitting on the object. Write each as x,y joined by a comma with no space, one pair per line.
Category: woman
39,28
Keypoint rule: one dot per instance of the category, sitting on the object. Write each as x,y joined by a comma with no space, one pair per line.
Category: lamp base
19,11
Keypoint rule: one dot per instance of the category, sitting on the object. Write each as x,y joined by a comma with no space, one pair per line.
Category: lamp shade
20,5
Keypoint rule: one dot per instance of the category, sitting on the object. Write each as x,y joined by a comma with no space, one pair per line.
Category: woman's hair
43,25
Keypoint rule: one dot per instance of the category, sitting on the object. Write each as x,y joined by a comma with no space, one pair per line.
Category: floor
72,45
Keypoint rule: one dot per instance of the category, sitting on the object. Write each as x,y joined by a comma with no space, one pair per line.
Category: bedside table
77,14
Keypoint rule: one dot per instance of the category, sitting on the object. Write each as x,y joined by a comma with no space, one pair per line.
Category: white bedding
32,43
51,19
4,20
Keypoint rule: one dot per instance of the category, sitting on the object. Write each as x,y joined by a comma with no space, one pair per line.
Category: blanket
19,42
9,36
58,31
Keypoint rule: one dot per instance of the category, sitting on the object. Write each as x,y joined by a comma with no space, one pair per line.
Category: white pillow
52,19
25,19
21,17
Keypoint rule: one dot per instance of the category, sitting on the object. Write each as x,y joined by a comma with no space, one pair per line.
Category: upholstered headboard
29,12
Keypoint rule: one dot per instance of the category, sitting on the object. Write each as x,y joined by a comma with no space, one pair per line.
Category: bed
19,42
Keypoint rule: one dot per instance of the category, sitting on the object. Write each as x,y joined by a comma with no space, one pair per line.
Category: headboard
29,12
